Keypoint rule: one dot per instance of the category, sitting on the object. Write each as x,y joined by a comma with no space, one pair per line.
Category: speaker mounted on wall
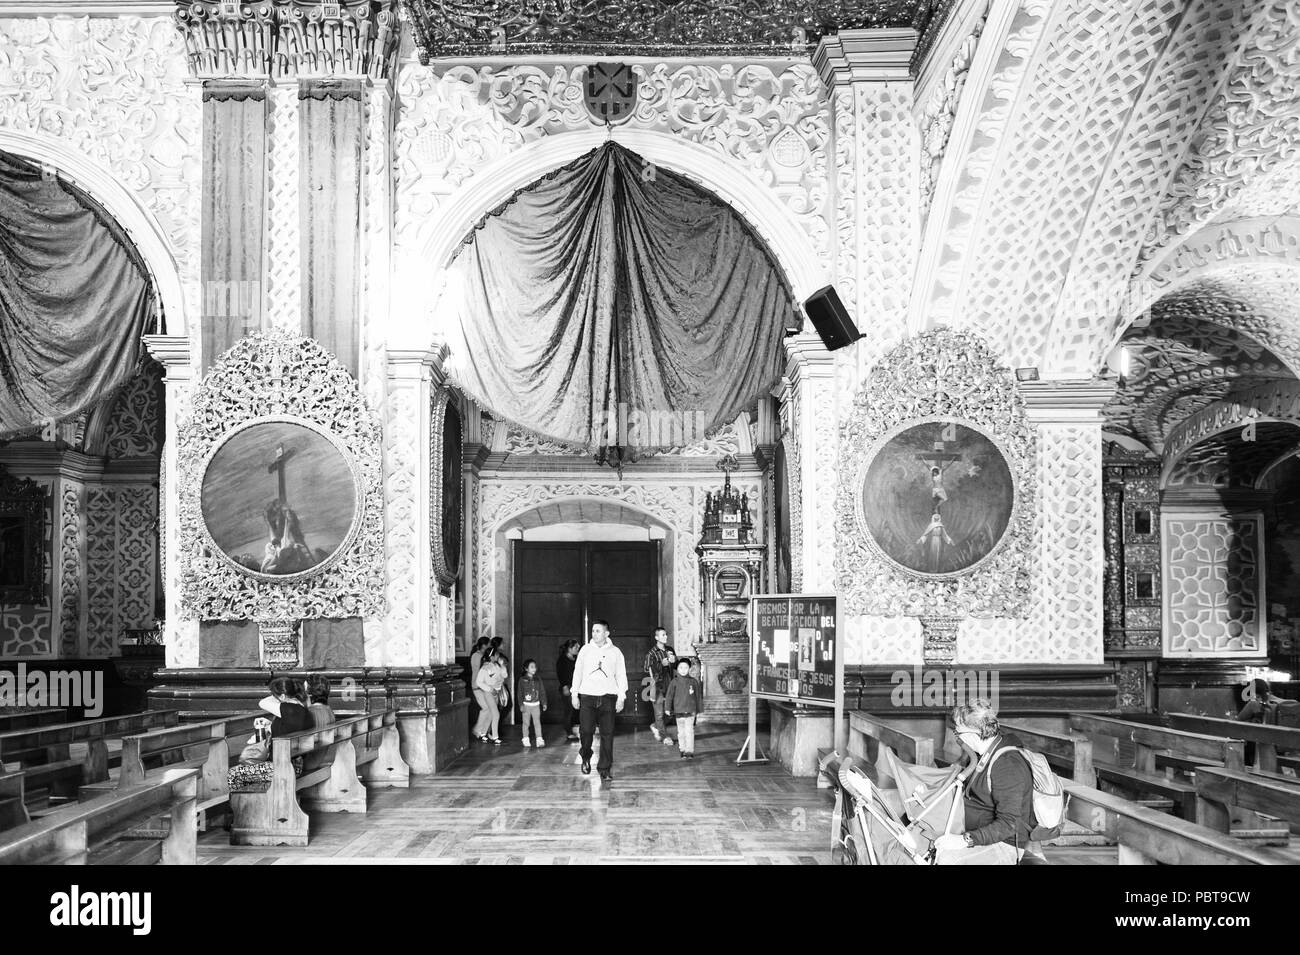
831,318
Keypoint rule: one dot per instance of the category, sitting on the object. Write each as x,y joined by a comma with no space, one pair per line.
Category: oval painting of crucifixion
279,499
937,498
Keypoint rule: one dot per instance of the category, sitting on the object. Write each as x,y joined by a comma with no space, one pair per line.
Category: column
813,432
173,353
408,637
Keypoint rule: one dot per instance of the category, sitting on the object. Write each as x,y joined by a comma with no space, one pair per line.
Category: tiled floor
509,805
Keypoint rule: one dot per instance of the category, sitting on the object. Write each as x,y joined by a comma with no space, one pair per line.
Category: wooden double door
561,588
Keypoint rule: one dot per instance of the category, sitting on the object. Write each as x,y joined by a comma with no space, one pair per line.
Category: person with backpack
999,794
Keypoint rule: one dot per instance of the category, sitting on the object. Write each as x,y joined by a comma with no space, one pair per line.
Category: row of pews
137,789
1177,792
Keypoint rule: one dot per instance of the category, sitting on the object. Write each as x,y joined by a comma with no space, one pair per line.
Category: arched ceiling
1178,364
1233,460
1098,135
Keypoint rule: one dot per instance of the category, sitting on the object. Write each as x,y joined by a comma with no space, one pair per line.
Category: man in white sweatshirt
599,691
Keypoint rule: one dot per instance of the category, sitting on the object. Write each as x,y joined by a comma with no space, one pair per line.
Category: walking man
599,691
659,665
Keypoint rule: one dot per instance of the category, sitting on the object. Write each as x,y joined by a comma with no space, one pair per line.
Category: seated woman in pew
318,696
1263,707
999,794
290,716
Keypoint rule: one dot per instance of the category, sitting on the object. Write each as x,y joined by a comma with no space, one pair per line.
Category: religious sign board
793,644
279,498
937,497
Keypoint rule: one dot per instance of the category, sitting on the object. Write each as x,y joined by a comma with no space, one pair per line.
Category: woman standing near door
491,678
564,671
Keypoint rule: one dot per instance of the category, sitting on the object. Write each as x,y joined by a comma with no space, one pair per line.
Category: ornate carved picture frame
446,513
274,380
22,540
937,378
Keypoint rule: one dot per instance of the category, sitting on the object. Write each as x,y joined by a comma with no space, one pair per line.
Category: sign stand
756,755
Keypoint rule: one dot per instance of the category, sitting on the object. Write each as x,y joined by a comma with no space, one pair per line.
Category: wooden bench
273,816
43,752
117,828
1146,836
1267,739
1218,791
867,732
1072,754
211,747
13,805
1143,778
36,716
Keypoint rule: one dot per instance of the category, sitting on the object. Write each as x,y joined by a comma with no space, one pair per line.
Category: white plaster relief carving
283,216
455,120
114,89
401,484
1252,130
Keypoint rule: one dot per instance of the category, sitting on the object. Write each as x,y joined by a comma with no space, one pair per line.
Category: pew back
23,719
1268,739
71,834
864,729
1218,790
1071,753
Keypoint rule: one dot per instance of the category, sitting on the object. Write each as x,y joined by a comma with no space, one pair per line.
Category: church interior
877,355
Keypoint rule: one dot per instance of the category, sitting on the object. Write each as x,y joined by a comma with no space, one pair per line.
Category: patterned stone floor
509,804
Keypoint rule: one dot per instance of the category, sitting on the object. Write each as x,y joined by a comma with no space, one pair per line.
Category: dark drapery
612,282
74,300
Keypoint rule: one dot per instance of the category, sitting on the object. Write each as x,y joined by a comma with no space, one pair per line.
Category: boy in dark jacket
684,700
531,694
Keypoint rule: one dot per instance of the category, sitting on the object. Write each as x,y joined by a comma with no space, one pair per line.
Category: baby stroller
875,826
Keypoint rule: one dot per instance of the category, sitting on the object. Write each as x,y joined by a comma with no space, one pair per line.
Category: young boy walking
531,694
683,700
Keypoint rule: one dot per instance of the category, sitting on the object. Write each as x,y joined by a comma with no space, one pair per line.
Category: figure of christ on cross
284,554
938,461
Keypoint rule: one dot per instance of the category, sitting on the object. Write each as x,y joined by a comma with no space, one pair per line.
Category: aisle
509,804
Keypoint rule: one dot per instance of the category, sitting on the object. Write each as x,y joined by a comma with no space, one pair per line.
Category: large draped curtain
610,282
74,300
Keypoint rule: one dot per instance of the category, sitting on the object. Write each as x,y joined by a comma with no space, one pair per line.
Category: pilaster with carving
181,637
811,399
408,638
283,228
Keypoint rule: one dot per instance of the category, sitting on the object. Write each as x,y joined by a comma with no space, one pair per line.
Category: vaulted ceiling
1094,139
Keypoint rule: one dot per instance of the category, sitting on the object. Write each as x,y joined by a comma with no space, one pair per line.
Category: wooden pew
13,805
865,731
1219,790
43,752
1073,754
1143,778
116,828
1146,836
210,747
23,719
1267,739
273,816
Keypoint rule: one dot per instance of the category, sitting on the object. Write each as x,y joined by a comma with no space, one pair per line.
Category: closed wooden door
561,588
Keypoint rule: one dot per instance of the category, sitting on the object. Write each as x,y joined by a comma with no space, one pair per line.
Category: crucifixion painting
937,498
278,498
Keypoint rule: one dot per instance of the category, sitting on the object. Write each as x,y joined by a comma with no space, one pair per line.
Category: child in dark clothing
683,700
531,694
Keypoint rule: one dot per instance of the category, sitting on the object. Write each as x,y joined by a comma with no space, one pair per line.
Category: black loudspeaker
831,318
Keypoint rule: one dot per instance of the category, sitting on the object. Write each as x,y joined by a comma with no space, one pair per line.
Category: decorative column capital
1066,402
407,363
173,352
806,358
875,55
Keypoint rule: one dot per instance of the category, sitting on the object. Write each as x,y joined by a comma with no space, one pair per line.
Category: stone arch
668,510
754,201
1264,404
119,202
1267,243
